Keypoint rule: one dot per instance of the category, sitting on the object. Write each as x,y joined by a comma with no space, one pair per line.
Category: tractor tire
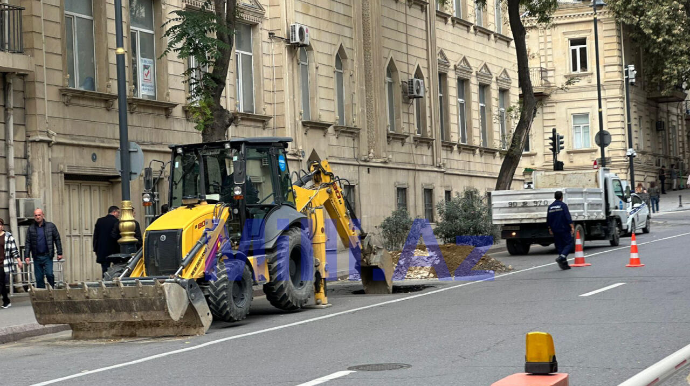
517,247
230,295
291,279
648,226
114,271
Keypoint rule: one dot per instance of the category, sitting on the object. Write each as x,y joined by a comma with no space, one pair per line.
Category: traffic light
553,141
560,142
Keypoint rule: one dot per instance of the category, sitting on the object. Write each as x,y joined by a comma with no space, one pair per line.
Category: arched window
420,109
339,91
391,99
304,83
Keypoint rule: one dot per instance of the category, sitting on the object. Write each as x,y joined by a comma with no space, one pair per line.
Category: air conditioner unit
415,88
299,35
26,207
660,125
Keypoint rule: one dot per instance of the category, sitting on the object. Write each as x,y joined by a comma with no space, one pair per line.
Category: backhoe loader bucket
376,267
128,308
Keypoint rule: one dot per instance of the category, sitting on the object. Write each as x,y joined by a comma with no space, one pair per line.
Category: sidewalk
669,201
18,322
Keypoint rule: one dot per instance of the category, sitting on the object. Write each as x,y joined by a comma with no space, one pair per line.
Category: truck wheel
581,229
647,225
230,295
292,276
114,271
517,247
615,238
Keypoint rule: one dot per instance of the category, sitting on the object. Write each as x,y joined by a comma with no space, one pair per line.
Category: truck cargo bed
529,206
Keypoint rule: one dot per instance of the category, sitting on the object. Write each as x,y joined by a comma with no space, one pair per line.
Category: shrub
395,228
466,214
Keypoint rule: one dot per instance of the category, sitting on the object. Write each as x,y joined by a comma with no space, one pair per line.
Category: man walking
42,238
654,196
562,228
662,179
8,253
674,178
104,244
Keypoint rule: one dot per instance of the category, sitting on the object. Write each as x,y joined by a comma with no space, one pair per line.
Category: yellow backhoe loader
239,220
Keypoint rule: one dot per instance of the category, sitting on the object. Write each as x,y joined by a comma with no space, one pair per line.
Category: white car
639,217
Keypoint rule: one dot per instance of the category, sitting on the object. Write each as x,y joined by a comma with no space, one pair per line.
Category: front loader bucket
376,267
127,308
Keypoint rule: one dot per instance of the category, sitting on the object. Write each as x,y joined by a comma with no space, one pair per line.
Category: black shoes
562,262
6,305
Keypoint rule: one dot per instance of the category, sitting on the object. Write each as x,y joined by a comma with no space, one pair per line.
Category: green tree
466,214
661,30
206,35
541,10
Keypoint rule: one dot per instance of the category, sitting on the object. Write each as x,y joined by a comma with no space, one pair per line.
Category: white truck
599,207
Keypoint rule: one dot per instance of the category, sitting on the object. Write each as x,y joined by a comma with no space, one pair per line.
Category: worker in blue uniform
562,228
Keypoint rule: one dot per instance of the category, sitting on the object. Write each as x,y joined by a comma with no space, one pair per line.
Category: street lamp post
629,78
596,3
127,225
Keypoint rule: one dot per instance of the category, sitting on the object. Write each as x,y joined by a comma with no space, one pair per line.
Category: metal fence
11,38
21,279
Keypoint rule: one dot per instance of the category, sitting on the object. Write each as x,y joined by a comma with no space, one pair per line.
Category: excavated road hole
401,289
379,367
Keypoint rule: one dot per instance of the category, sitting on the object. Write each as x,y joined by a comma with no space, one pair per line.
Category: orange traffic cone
634,257
579,253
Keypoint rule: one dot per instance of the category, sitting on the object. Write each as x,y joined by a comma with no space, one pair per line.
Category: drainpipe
9,150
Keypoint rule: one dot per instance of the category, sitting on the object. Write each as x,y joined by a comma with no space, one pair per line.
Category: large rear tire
230,295
291,274
517,247
114,271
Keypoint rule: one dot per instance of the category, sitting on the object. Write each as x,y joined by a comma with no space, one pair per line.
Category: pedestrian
103,243
640,188
674,178
662,179
8,253
562,228
115,233
42,239
164,210
654,196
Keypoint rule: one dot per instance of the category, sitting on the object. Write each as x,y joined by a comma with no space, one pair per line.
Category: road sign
608,161
606,138
136,161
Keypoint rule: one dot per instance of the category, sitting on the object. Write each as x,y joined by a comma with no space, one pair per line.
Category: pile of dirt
453,255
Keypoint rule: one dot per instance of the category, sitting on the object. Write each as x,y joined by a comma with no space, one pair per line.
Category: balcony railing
11,38
539,77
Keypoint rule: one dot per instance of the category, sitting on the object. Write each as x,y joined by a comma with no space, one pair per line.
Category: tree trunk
529,102
226,12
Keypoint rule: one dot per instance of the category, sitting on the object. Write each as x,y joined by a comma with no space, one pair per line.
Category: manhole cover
379,367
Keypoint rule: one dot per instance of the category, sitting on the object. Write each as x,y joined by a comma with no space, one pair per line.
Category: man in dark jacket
42,238
103,243
115,233
562,228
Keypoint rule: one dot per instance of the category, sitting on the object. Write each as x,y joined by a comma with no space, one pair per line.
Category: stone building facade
344,96
565,51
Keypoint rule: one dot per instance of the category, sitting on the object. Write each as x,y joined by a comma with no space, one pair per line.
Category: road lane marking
316,319
603,289
327,378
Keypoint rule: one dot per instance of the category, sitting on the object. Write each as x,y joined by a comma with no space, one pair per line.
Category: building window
390,96
244,63
640,139
503,125
81,65
339,90
462,114
195,77
527,148
448,195
499,17
401,198
479,12
673,139
442,109
439,5
581,131
578,55
349,194
482,115
420,110
304,79
143,48
458,8
429,204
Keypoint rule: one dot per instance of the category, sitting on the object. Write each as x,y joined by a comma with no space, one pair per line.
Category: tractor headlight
237,191
147,199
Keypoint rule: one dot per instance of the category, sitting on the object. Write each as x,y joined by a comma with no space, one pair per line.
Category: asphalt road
460,333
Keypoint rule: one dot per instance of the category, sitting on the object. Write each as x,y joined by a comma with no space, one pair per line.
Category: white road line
603,289
333,315
327,378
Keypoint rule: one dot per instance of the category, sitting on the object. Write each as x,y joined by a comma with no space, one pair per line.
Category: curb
15,333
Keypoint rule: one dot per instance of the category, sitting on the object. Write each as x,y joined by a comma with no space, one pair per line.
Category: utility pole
596,50
127,225
629,78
